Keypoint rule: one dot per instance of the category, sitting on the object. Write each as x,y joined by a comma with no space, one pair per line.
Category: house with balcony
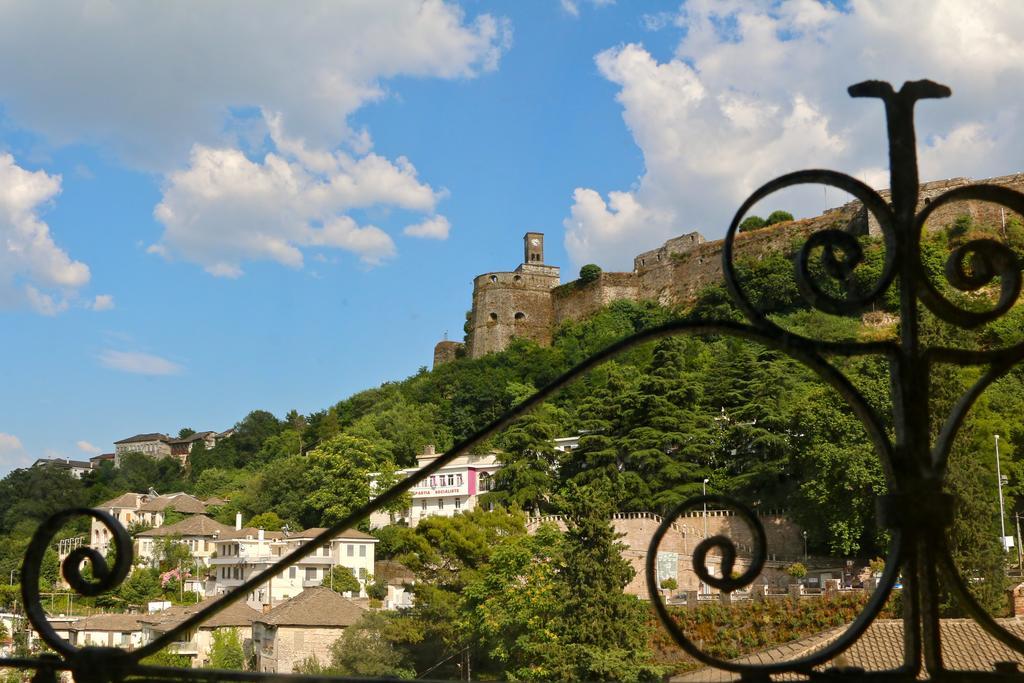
304,626
197,642
198,532
455,488
244,553
142,509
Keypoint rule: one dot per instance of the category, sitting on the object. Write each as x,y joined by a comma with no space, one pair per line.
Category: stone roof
195,525
316,606
965,646
179,502
236,614
140,438
62,462
194,437
313,532
108,622
392,572
125,500
250,533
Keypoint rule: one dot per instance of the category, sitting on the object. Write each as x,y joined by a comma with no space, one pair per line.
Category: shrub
797,570
589,273
778,216
751,223
669,584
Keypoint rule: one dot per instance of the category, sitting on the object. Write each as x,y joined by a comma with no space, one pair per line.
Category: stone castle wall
530,303
510,305
785,543
578,300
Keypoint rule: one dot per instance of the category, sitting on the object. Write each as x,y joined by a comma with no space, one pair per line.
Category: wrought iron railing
915,510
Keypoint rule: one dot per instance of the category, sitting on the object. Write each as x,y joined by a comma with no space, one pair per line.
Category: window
423,505
520,315
458,479
458,503
310,573
350,550
440,503
451,480
126,638
494,317
362,551
432,481
327,551
494,278
291,572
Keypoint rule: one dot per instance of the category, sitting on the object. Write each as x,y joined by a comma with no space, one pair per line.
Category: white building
75,468
454,488
243,553
137,509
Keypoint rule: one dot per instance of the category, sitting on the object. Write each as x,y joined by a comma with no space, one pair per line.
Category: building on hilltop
155,445
513,304
530,303
76,469
158,445
455,488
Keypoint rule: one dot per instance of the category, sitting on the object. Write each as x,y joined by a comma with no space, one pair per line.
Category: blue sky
206,209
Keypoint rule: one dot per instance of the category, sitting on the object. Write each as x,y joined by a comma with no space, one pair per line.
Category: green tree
341,580
226,651
267,520
778,216
589,273
751,223
365,650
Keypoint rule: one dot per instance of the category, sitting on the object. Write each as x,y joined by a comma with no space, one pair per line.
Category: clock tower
533,248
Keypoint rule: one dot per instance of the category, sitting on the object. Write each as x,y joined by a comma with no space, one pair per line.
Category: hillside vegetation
655,422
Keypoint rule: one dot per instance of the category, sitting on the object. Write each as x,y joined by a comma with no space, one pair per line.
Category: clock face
535,242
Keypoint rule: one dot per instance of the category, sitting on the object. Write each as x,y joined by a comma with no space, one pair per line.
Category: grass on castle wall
743,628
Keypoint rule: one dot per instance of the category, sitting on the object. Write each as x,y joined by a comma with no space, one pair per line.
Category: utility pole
999,483
1020,558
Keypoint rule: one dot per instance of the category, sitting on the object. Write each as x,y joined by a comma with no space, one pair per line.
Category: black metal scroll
915,509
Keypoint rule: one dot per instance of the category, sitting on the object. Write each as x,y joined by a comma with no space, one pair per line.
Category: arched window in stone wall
520,315
494,316
494,278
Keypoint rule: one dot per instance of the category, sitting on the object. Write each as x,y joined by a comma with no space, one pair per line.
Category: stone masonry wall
292,644
676,272
785,543
577,300
510,305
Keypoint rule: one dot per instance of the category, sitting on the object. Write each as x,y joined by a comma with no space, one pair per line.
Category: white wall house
455,488
243,553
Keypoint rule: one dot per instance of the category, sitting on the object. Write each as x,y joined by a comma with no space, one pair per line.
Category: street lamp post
999,484
12,575
704,492
805,546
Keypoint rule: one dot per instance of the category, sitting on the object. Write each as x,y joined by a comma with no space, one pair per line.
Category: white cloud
756,90
138,363
572,7
153,80
9,443
435,227
102,302
34,271
225,209
87,447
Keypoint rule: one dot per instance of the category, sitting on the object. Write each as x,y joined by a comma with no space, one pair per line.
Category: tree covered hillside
655,422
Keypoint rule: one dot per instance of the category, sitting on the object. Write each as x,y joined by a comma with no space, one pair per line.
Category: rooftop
139,438
236,614
107,622
179,502
316,606
196,525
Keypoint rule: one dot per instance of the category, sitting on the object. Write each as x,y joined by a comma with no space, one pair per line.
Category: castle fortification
530,302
